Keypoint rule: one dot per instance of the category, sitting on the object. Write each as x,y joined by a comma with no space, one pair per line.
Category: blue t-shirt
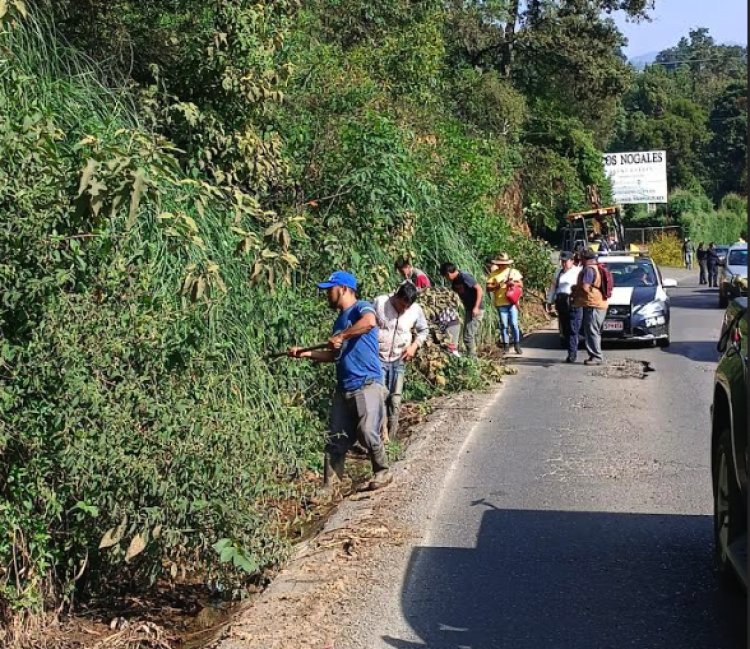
358,361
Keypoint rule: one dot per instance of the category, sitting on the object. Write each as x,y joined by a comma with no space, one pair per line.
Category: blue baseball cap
340,278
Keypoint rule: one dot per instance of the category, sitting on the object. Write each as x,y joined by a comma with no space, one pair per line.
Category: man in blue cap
358,402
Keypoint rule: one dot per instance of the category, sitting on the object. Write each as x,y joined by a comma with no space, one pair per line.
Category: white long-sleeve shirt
395,331
567,280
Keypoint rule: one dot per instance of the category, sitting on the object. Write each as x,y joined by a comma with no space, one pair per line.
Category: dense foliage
175,175
693,102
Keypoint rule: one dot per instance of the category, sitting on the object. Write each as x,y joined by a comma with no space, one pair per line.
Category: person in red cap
358,402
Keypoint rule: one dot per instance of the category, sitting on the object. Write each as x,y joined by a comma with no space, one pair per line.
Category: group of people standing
504,285
372,341
578,295
369,344
708,261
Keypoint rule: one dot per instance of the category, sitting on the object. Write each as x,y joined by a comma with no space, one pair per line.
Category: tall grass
131,416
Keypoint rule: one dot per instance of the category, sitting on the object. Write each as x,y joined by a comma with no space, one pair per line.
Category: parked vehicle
729,451
721,253
639,307
733,274
604,221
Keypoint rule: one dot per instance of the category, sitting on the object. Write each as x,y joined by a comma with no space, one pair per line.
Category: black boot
506,348
381,475
517,348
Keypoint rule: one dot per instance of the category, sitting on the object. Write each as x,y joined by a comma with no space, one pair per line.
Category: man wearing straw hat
503,278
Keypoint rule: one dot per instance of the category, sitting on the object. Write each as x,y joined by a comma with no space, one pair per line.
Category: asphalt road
578,514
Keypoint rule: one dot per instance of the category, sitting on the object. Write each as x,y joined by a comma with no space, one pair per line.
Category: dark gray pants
713,275
471,329
357,415
593,319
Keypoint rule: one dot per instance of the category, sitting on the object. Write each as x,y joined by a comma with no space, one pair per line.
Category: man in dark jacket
712,262
701,254
470,292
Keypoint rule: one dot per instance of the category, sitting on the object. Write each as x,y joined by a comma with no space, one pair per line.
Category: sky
726,21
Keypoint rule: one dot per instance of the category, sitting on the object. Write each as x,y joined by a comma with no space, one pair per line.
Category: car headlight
652,313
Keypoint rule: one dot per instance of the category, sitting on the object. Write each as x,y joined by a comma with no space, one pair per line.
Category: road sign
637,176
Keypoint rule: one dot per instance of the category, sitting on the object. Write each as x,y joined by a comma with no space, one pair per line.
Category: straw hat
503,259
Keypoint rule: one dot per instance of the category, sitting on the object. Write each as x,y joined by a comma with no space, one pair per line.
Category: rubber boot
333,474
392,427
517,348
381,474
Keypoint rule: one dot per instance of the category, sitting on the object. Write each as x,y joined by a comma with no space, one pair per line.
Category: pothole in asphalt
626,368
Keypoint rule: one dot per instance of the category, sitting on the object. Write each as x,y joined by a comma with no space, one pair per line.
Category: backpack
607,281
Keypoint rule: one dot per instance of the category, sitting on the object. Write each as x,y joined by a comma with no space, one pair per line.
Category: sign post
637,176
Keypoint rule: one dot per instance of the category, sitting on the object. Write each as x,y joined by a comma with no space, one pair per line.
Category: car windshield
737,258
632,274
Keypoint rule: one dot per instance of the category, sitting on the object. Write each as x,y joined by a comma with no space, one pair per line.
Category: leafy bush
693,210
666,250
138,423
142,433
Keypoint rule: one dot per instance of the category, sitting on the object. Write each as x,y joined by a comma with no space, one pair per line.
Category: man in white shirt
558,294
397,316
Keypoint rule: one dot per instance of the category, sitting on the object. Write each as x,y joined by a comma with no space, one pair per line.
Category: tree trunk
506,61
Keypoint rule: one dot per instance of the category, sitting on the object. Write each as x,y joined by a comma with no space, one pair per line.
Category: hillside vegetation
174,178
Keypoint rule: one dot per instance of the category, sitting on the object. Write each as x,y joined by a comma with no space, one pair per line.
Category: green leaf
242,561
91,510
221,544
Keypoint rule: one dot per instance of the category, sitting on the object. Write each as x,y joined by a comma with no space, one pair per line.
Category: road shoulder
363,548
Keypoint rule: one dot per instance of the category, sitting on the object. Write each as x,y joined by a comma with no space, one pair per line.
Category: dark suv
729,453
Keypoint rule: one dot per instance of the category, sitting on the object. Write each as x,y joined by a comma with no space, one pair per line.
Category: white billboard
637,176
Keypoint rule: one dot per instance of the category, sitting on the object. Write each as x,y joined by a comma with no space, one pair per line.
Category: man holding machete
358,407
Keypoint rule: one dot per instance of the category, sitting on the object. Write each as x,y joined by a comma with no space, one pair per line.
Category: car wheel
729,515
723,299
663,342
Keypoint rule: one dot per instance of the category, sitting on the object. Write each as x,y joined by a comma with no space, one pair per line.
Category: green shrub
142,434
666,250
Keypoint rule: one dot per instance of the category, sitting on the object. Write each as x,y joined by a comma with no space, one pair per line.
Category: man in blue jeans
502,277
559,295
402,329
358,406
471,293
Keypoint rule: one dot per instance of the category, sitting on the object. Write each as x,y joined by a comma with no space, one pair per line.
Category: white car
733,274
639,307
